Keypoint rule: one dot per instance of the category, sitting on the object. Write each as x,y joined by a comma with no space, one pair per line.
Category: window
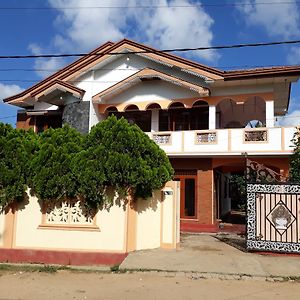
68,214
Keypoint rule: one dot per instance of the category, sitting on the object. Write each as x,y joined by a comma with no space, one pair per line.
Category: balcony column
154,120
270,113
212,117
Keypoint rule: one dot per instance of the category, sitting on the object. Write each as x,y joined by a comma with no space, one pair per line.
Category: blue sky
164,24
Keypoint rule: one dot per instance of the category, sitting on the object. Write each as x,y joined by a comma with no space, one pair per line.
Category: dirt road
73,285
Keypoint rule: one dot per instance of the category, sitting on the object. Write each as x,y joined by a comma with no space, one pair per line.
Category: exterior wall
109,236
148,224
123,227
77,116
152,91
276,141
24,122
205,211
2,226
206,214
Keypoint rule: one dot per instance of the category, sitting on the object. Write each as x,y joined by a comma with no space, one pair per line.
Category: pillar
270,113
154,120
212,117
205,197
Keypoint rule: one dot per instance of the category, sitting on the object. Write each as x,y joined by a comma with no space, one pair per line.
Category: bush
294,173
62,164
16,150
51,175
121,156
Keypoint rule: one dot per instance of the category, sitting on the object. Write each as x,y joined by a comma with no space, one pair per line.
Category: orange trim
60,74
9,227
188,102
131,226
58,85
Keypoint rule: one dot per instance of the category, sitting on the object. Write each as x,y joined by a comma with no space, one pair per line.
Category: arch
200,103
131,107
255,109
228,114
176,104
152,106
111,109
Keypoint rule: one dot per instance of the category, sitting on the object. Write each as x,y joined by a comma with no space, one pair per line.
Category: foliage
51,176
294,173
61,163
121,156
238,191
16,150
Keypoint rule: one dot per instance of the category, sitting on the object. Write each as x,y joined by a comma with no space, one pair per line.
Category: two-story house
201,116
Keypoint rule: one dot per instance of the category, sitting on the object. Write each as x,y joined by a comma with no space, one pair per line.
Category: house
201,116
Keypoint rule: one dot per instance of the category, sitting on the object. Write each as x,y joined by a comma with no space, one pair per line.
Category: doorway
188,196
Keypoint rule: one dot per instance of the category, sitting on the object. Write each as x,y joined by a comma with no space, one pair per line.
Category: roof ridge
59,72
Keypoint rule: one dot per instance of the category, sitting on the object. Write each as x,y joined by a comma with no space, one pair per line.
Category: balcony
275,140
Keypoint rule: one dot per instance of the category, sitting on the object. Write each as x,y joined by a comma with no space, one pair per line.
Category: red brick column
206,214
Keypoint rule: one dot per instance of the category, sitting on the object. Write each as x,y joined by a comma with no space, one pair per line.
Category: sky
72,26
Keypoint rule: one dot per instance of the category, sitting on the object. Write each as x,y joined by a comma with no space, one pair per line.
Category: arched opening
177,117
111,109
131,107
153,106
176,105
134,116
231,114
255,110
199,115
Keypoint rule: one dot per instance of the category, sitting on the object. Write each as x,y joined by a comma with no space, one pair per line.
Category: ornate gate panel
273,217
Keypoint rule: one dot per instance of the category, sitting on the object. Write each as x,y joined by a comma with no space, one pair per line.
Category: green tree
51,175
16,150
294,173
121,156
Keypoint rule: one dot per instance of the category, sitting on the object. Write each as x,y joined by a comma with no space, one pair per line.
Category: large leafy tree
121,156
62,164
295,159
16,150
51,175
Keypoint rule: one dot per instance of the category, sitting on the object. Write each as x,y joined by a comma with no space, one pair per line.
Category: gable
148,79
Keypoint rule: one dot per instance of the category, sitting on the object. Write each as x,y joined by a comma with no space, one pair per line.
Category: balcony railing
226,141
255,135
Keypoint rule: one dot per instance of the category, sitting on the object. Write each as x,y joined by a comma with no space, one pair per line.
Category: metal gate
273,213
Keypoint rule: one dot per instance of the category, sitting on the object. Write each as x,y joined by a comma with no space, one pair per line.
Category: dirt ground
77,285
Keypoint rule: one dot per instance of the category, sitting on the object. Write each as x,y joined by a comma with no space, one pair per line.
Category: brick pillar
206,214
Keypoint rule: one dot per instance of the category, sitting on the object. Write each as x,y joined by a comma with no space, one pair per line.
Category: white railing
206,137
222,141
162,138
255,135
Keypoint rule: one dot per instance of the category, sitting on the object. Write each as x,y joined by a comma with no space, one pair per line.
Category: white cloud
291,119
161,27
278,20
7,90
175,27
293,57
45,66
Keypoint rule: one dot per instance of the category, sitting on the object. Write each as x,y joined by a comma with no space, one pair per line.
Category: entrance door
188,196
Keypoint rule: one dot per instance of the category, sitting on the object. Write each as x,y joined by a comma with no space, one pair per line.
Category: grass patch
115,268
31,268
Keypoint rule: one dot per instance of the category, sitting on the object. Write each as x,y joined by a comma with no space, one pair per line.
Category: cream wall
110,236
148,225
2,223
